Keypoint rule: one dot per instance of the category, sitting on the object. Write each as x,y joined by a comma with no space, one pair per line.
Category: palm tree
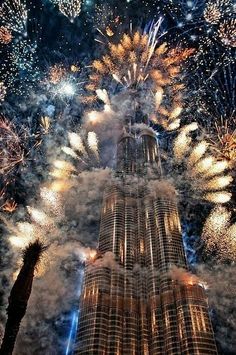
20,294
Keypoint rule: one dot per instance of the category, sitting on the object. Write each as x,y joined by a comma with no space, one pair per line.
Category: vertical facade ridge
131,303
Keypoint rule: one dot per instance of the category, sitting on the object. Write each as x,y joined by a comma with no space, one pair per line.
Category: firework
107,19
45,123
3,91
23,55
11,151
215,10
219,234
227,32
224,142
204,172
5,35
40,217
56,73
93,142
212,12
69,8
184,11
62,81
20,66
145,71
9,206
24,234
14,15
83,153
216,112
52,200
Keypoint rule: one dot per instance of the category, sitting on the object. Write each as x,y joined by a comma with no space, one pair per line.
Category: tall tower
131,302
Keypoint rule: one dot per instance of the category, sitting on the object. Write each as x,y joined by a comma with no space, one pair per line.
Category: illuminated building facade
133,300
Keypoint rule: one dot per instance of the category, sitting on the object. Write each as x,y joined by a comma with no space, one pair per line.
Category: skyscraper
138,296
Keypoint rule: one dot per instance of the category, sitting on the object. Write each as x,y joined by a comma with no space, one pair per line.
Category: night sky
46,67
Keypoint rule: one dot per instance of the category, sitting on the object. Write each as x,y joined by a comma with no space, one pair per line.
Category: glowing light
39,216
14,15
10,147
227,32
52,199
217,168
219,235
5,35
69,151
200,166
45,123
212,12
219,182
218,197
69,8
63,165
197,152
61,185
93,142
76,142
137,62
10,206
66,89
26,233
56,73
3,91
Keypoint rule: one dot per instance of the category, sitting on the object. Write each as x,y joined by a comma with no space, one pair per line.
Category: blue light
72,335
74,321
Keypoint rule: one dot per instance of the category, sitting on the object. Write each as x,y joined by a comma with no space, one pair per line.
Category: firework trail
214,110
205,174
83,154
219,234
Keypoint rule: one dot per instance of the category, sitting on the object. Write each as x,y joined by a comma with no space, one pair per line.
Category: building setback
132,302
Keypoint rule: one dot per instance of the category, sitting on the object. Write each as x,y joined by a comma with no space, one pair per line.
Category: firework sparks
83,153
5,35
203,171
56,73
138,65
45,123
3,91
52,200
9,206
227,32
93,142
225,142
69,8
21,66
212,12
11,152
14,15
219,235
40,217
25,233
107,19
62,81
